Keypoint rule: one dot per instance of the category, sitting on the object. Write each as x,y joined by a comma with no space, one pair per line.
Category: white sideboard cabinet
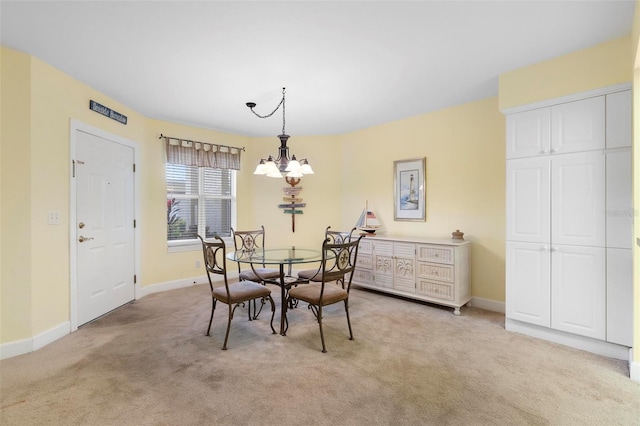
431,270
569,221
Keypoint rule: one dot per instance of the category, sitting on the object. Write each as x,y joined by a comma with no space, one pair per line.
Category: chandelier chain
273,112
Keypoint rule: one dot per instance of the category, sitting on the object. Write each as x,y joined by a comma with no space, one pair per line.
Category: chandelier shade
283,164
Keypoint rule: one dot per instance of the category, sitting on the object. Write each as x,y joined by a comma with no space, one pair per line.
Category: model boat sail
368,221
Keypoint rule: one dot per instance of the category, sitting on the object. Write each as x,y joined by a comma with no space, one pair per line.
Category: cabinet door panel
619,212
578,126
578,295
619,119
528,199
620,296
528,283
528,133
578,199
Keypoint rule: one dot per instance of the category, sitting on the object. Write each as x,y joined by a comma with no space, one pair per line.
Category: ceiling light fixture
271,167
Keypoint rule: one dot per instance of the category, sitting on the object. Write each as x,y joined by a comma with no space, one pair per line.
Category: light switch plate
54,218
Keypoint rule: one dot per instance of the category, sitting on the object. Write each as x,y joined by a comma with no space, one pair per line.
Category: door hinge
134,223
134,167
74,168
135,279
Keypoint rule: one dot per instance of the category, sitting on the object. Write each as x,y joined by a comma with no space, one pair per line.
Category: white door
528,283
578,294
528,198
105,229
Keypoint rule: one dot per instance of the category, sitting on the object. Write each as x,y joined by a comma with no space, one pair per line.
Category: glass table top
277,256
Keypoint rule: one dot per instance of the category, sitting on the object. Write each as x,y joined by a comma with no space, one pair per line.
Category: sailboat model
368,222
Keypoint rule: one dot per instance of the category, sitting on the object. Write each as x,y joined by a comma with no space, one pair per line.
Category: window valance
202,154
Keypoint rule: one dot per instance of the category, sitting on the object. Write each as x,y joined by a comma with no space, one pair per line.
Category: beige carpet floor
149,363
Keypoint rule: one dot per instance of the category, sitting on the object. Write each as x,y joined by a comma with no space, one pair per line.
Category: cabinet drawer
362,276
435,271
364,261
436,254
365,247
436,289
383,248
404,250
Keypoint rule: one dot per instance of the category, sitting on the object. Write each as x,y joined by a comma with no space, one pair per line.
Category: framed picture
409,189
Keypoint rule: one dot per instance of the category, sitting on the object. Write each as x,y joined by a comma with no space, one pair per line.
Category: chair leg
213,308
273,312
346,309
226,336
324,349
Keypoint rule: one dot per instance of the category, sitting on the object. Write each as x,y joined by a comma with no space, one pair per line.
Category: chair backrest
339,261
215,258
337,237
248,240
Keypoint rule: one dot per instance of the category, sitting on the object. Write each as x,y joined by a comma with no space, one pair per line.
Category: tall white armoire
569,221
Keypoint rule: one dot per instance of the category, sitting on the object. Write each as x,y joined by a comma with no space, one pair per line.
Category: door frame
74,127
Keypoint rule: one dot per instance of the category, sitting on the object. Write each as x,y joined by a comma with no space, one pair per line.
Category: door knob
83,239
81,225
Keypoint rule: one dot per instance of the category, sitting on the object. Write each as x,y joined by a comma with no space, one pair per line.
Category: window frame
174,246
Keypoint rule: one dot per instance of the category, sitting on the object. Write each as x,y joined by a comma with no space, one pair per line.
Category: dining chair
233,295
251,241
338,262
334,237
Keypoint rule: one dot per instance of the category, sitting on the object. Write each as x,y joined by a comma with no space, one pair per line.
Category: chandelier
275,168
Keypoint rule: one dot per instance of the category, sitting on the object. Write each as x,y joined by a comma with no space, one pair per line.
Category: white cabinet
578,199
558,129
578,126
569,218
528,273
435,271
578,290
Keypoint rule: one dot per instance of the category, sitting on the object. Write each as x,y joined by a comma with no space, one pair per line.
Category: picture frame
409,189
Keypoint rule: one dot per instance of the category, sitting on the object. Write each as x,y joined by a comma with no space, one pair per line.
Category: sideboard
432,270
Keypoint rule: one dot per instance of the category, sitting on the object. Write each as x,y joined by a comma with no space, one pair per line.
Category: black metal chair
251,241
338,263
334,237
233,295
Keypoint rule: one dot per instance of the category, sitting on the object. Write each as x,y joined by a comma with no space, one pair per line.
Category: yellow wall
603,65
465,181
15,225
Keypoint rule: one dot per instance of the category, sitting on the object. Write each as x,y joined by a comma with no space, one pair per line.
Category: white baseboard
146,290
588,344
25,346
487,304
634,371
21,347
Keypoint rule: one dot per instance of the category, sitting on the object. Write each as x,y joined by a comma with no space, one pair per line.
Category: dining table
281,256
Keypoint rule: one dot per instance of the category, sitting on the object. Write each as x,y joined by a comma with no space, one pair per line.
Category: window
200,200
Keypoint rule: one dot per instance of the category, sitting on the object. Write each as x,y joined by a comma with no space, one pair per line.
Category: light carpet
411,363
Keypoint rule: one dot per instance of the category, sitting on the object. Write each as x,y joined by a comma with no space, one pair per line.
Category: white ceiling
346,65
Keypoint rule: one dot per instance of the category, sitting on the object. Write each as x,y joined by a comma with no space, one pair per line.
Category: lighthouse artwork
409,189
409,197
